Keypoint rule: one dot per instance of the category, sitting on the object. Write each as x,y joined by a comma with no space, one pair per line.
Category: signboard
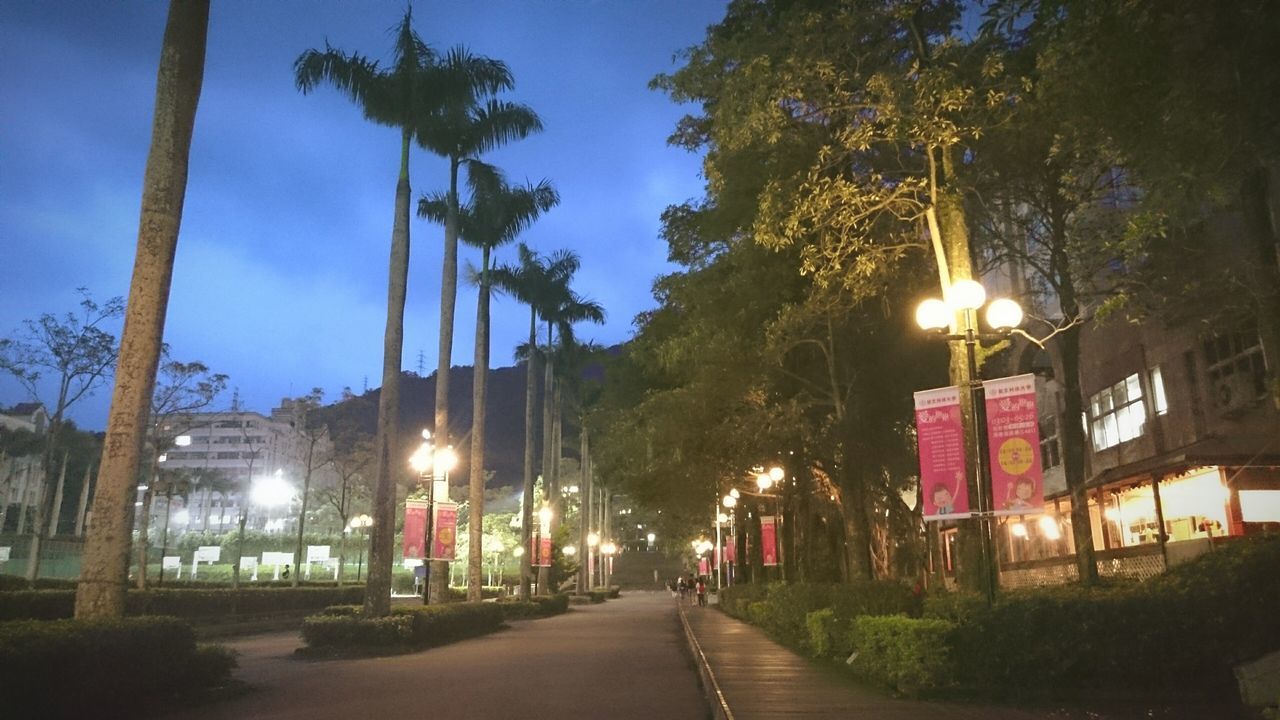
4,554
940,436
171,562
445,528
1013,435
415,528
769,540
317,553
277,558
208,553
249,564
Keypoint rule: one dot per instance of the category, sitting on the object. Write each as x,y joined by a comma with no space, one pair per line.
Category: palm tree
497,214
466,126
401,96
104,571
538,283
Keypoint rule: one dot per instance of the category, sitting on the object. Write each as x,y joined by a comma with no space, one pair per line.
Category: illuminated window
1117,414
1236,367
1050,454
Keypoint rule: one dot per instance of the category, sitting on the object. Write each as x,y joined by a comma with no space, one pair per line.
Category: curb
715,696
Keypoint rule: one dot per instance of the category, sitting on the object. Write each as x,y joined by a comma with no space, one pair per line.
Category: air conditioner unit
1234,394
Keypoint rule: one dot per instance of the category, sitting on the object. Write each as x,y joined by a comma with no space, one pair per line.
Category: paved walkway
758,678
624,659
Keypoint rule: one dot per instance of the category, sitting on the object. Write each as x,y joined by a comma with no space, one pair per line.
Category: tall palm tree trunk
550,491
479,396
448,303
377,596
104,571
584,512
526,507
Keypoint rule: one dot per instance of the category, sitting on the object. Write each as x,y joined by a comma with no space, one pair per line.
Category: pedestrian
702,592
285,575
683,587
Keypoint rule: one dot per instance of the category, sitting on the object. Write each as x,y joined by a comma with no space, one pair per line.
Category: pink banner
1013,434
415,528
940,436
544,552
768,540
445,528
730,552
704,566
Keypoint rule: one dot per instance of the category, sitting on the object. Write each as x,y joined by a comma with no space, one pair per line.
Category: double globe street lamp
433,466
956,319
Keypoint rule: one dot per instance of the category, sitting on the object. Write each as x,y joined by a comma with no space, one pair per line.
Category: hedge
342,630
192,604
910,655
102,668
537,606
783,610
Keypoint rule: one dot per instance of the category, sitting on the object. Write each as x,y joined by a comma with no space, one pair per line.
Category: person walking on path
702,592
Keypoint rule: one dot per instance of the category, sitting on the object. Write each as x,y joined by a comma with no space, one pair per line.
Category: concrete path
758,678
623,659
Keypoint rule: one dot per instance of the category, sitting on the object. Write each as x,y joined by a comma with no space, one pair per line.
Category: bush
340,630
537,606
613,592
191,604
830,635
102,668
910,655
782,610
17,582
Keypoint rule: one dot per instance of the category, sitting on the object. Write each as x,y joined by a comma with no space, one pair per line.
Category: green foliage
784,610
344,629
210,604
102,668
538,606
911,655
823,632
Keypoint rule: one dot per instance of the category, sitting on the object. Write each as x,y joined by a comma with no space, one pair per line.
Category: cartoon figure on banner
944,497
1021,491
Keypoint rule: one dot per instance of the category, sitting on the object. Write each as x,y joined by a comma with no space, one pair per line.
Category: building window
228,456
1236,368
1117,414
1050,452
227,424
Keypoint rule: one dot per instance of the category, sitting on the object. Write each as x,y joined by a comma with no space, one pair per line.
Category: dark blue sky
280,278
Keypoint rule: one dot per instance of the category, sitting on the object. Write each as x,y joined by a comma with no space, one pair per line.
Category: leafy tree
318,455
497,213
181,390
79,354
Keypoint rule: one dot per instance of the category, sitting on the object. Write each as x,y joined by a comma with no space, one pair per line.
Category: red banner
769,540
415,528
940,437
544,552
704,566
1013,434
445,528
730,552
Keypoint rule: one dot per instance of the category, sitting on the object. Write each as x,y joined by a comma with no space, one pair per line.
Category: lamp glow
763,481
722,518
1018,529
933,314
182,440
1004,314
651,537
777,473
570,550
729,501
966,295
593,539
544,515
271,491
446,460
1049,527
518,552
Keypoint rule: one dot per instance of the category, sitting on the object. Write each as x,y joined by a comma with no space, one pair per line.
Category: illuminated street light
518,552
570,550
729,501
182,440
271,491
764,481
777,474
593,539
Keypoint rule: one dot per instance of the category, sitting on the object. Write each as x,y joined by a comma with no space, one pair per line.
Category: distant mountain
504,426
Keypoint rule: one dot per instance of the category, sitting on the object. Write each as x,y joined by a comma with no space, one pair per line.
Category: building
20,476
224,455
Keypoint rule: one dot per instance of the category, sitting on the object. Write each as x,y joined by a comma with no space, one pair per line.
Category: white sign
208,553
317,553
249,564
4,554
171,562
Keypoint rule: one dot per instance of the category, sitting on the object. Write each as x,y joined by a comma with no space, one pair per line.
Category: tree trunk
526,507
56,514
104,569
1073,453
479,401
448,302
853,507
302,514
377,596
584,512
549,491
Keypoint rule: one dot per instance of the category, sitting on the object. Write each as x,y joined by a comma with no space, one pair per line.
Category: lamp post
361,524
963,301
764,481
433,468
608,550
730,502
593,544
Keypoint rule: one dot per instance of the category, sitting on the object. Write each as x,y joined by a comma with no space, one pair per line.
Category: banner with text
544,551
1013,434
445,528
940,436
415,528
769,540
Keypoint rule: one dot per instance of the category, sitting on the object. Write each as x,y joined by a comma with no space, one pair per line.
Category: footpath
748,676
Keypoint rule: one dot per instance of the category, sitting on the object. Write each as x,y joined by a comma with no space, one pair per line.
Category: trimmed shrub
102,668
782,610
339,630
17,582
830,635
537,606
911,655
193,604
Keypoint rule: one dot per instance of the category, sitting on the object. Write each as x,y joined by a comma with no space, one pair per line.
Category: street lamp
433,466
593,542
360,524
963,301
608,549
